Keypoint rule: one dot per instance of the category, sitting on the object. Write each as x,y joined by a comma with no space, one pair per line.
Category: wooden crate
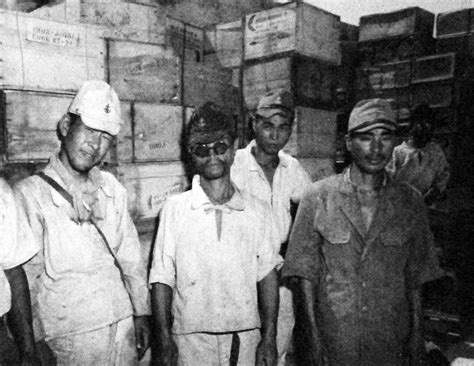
299,28
436,94
384,76
28,124
314,134
209,81
148,185
454,23
409,21
318,168
19,5
144,72
226,40
433,68
187,40
311,81
41,54
157,132
124,141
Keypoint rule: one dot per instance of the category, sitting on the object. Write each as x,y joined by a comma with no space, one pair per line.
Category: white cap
98,106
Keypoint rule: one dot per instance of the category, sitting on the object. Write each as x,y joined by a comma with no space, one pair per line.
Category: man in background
213,277
88,281
360,250
15,307
266,171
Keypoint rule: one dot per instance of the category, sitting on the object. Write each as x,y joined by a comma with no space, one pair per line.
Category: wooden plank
144,72
124,148
30,120
148,185
157,132
314,134
300,28
41,54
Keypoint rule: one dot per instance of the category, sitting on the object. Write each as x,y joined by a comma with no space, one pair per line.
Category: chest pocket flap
333,228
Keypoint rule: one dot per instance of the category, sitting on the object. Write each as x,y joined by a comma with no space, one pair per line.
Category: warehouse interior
165,57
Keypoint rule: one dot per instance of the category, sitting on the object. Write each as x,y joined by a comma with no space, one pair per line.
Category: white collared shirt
289,182
75,285
14,249
214,281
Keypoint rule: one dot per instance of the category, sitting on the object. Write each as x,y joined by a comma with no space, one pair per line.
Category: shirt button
364,308
364,284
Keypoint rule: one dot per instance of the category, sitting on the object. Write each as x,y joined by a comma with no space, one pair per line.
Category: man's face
213,160
271,134
371,150
82,146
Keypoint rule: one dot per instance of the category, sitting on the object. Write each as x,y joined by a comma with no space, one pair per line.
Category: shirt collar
199,198
348,186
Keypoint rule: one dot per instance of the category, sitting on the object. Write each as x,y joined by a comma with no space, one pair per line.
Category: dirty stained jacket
362,276
75,285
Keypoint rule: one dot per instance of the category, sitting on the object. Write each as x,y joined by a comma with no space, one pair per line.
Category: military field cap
277,101
372,113
98,106
208,123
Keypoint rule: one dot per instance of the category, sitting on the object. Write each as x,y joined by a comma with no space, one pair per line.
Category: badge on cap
107,109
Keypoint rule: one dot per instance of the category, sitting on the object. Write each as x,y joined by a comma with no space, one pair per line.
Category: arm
161,298
19,317
268,300
417,344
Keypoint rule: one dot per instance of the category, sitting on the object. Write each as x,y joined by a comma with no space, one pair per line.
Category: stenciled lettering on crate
313,134
42,54
148,186
301,28
143,71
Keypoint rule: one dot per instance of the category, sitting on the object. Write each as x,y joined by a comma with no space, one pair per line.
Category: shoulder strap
67,196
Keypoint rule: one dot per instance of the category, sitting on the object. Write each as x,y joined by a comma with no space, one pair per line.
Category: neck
366,180
219,190
79,176
263,159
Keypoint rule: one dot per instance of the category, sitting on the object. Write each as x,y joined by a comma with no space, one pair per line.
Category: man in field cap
266,171
213,277
88,281
360,250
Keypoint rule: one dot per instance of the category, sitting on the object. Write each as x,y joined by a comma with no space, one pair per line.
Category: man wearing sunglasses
213,276
264,170
360,248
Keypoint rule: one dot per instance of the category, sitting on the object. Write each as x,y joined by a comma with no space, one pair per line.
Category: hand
267,354
142,334
167,353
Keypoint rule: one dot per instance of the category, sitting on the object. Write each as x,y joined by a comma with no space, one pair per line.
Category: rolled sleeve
302,258
133,265
301,181
163,269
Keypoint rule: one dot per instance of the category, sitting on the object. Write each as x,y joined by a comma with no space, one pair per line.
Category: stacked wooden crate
296,47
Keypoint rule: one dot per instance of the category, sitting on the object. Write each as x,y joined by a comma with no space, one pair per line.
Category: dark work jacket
362,276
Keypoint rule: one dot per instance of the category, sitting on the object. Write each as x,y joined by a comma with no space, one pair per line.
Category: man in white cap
360,248
88,282
266,171
15,307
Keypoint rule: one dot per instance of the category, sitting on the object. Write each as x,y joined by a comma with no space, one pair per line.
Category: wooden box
144,72
41,54
209,81
433,68
454,23
299,28
187,40
435,94
312,82
318,168
226,40
409,21
148,185
124,141
314,134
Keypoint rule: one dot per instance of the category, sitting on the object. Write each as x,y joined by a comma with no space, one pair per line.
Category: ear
348,140
254,121
64,125
236,143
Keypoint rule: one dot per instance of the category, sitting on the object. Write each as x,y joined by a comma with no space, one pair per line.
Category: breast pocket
392,237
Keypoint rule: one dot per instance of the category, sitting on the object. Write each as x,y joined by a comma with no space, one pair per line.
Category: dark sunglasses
204,150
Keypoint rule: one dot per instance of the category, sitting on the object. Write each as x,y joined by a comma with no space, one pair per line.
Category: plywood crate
454,23
312,82
299,28
314,133
143,71
318,168
43,54
209,81
227,40
434,68
187,40
409,21
148,186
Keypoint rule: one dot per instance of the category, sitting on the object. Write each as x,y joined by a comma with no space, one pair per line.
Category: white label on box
52,36
270,32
